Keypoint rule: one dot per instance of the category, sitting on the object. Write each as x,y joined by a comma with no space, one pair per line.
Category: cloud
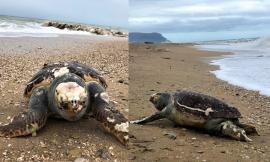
169,16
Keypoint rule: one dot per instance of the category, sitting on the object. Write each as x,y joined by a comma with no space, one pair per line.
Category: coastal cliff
136,37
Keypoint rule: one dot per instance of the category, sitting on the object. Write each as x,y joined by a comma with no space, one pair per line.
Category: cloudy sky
195,20
100,12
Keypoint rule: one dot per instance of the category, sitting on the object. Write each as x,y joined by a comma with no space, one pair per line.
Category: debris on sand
170,135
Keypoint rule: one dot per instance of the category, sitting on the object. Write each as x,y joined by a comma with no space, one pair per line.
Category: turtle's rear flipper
228,128
111,119
248,128
28,122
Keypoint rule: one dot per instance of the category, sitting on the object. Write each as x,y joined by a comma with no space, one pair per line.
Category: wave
21,28
247,67
262,42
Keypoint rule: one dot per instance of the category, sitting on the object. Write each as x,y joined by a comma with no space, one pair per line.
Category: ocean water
26,27
248,66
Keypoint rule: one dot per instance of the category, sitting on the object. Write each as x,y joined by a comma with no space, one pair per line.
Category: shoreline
167,67
232,81
78,36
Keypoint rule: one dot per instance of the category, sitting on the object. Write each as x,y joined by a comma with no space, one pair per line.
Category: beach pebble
200,151
81,160
121,81
42,144
20,158
224,151
75,152
103,153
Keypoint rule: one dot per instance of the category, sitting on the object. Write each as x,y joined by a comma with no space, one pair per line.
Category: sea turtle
191,109
69,90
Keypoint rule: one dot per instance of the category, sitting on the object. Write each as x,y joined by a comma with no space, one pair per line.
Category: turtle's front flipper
156,116
111,119
28,122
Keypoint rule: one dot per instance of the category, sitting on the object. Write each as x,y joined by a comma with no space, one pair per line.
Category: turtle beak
74,106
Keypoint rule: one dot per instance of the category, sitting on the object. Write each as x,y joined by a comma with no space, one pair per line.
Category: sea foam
247,67
12,27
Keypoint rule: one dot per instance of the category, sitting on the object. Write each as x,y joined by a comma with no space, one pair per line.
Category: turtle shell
52,70
203,105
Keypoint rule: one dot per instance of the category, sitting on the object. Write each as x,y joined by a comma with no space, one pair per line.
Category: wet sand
168,67
61,140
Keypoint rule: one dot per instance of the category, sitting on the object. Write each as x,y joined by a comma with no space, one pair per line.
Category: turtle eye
82,102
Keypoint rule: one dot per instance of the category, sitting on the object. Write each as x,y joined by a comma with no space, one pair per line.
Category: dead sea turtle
68,90
201,111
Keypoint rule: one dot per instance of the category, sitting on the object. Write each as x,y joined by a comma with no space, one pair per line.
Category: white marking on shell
96,95
105,97
39,93
126,137
79,67
208,110
111,120
61,72
191,108
225,126
123,127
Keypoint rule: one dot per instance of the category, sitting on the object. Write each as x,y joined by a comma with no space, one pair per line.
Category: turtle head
69,96
160,100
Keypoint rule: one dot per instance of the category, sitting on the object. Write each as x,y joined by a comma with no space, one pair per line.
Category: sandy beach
60,140
168,67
